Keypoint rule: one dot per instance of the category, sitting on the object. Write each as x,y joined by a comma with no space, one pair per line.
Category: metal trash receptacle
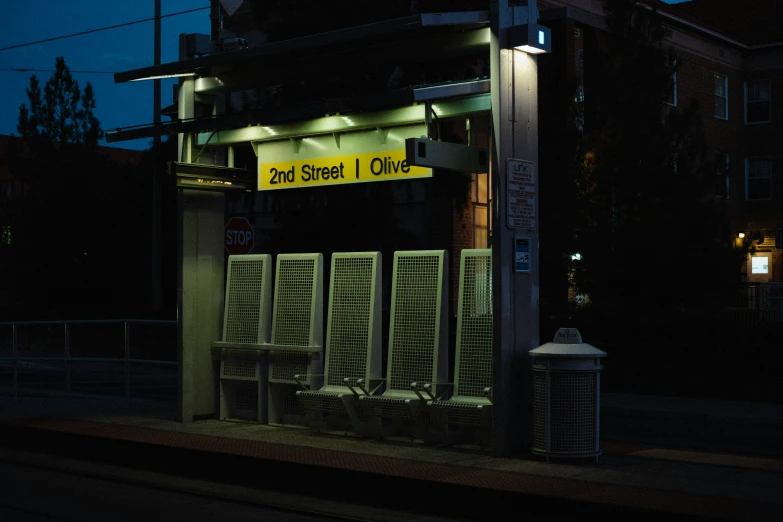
566,397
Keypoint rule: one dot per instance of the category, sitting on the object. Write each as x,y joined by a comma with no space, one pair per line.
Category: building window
758,178
758,105
480,209
722,165
759,265
721,96
672,99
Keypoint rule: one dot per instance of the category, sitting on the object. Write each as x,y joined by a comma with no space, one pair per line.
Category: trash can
566,397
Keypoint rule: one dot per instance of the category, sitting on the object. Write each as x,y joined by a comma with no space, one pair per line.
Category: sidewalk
631,480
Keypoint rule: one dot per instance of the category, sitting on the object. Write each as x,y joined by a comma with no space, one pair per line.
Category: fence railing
130,358
759,302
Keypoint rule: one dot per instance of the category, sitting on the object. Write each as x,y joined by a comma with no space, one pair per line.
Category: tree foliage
81,218
652,236
61,113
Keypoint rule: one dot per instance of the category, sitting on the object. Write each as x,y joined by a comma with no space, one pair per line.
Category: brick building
730,60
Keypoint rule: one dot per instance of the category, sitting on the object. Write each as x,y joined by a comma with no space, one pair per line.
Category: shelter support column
200,284
514,80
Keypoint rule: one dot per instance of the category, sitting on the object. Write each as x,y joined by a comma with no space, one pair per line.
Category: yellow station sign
338,170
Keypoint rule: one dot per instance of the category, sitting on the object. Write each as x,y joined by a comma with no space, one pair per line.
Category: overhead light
531,38
162,76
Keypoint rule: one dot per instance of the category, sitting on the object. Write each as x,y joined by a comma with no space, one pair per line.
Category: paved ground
86,491
632,478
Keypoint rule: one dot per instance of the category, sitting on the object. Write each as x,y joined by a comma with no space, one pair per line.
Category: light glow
530,49
162,76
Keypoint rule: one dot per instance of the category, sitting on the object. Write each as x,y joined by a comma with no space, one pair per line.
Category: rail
34,355
759,302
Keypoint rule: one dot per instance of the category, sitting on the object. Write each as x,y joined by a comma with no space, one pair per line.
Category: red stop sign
238,236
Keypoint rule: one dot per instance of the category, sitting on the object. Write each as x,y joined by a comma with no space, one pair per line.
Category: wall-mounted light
210,177
531,38
741,235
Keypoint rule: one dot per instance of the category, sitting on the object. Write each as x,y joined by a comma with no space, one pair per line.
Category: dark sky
115,50
122,49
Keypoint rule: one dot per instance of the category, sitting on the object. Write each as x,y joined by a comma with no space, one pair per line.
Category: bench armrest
364,384
488,394
426,389
299,378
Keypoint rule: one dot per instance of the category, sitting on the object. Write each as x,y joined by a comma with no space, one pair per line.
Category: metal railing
45,358
759,302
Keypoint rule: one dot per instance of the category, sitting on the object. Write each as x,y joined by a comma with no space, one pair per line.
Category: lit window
480,208
758,101
759,265
721,96
758,178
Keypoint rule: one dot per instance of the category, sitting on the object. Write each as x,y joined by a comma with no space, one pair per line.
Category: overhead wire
100,29
25,69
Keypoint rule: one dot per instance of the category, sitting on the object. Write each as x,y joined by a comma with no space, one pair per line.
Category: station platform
632,479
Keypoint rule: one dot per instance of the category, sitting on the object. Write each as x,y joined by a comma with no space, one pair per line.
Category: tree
65,182
653,239
64,114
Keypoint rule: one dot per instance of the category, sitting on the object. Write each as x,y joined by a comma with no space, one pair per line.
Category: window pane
758,111
758,107
480,229
759,186
482,188
758,91
720,107
720,85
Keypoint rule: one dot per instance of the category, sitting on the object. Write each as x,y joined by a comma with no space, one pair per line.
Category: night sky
115,50
122,49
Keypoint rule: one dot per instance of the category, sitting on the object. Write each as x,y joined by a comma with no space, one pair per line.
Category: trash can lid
567,343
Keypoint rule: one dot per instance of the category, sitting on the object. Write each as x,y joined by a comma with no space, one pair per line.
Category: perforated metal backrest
353,329
247,310
418,330
473,369
298,306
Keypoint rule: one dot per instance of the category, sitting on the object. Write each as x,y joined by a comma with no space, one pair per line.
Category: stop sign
239,236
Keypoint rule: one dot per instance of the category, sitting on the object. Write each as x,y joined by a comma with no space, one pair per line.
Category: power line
99,29
21,69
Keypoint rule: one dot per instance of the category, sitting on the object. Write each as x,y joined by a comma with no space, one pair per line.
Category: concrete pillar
200,299
514,79
200,283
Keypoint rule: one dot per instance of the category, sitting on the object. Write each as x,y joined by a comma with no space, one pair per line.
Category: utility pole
514,95
156,290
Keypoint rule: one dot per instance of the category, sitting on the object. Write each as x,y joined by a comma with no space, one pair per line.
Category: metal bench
242,351
471,403
353,341
297,334
418,338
